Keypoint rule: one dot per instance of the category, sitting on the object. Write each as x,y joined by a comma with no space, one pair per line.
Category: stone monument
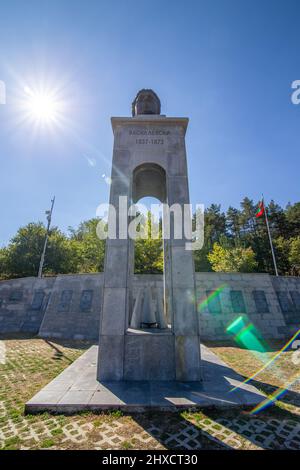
149,345
144,338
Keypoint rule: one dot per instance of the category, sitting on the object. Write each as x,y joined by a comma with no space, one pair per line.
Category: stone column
185,322
116,279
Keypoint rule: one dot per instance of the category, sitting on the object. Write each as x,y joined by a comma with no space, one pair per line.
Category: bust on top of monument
146,102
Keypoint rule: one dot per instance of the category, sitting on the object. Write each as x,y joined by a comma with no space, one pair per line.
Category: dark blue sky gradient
227,65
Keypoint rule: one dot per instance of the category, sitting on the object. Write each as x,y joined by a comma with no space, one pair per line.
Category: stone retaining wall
69,306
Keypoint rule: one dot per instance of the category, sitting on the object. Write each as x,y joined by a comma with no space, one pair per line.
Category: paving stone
140,395
216,430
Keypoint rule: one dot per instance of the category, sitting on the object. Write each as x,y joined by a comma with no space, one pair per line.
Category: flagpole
49,215
270,238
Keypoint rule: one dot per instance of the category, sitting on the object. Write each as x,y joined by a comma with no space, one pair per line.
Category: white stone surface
77,389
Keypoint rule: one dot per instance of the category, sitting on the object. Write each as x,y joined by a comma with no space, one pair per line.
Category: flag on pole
260,210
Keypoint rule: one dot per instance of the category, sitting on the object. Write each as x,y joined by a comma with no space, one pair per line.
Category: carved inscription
86,300
37,300
65,301
149,141
260,301
296,299
237,300
213,302
289,306
284,301
149,136
16,296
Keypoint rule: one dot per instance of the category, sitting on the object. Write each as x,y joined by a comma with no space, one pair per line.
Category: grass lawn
32,362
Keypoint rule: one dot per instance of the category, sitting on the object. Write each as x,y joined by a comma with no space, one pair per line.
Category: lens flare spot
210,299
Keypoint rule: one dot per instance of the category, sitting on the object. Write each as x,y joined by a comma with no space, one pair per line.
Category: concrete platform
76,389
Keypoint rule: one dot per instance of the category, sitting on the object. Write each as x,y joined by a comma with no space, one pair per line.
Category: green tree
293,219
3,263
21,257
282,251
214,229
233,223
149,251
201,260
88,248
230,241
214,224
294,256
277,221
247,217
235,259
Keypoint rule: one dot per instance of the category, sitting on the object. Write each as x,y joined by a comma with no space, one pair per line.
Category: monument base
76,389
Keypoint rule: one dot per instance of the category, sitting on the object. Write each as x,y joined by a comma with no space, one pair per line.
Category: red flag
260,210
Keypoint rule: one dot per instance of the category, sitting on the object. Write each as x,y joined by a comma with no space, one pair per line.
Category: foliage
294,255
243,230
232,259
149,251
21,257
88,247
234,240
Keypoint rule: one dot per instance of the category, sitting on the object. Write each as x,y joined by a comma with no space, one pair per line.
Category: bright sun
41,106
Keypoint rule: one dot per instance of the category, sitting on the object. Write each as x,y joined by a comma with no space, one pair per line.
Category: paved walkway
76,389
33,362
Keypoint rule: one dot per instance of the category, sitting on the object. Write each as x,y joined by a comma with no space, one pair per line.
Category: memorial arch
149,159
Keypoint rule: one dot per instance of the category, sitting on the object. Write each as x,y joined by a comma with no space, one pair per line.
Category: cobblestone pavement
31,363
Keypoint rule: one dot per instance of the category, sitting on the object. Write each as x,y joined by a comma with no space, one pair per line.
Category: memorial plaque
65,301
16,296
37,300
296,299
260,301
86,300
237,301
288,308
213,302
284,301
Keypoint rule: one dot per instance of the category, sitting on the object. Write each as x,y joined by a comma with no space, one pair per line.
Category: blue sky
228,65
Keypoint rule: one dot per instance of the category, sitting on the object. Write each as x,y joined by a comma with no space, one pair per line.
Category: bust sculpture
146,102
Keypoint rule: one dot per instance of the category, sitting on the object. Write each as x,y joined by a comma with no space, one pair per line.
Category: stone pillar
116,280
182,276
149,159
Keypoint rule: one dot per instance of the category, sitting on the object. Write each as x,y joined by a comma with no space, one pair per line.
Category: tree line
238,241
233,241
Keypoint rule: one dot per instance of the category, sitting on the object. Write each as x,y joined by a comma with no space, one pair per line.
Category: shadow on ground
174,431
223,429
66,343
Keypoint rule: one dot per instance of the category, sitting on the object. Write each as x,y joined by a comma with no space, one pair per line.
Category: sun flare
43,107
